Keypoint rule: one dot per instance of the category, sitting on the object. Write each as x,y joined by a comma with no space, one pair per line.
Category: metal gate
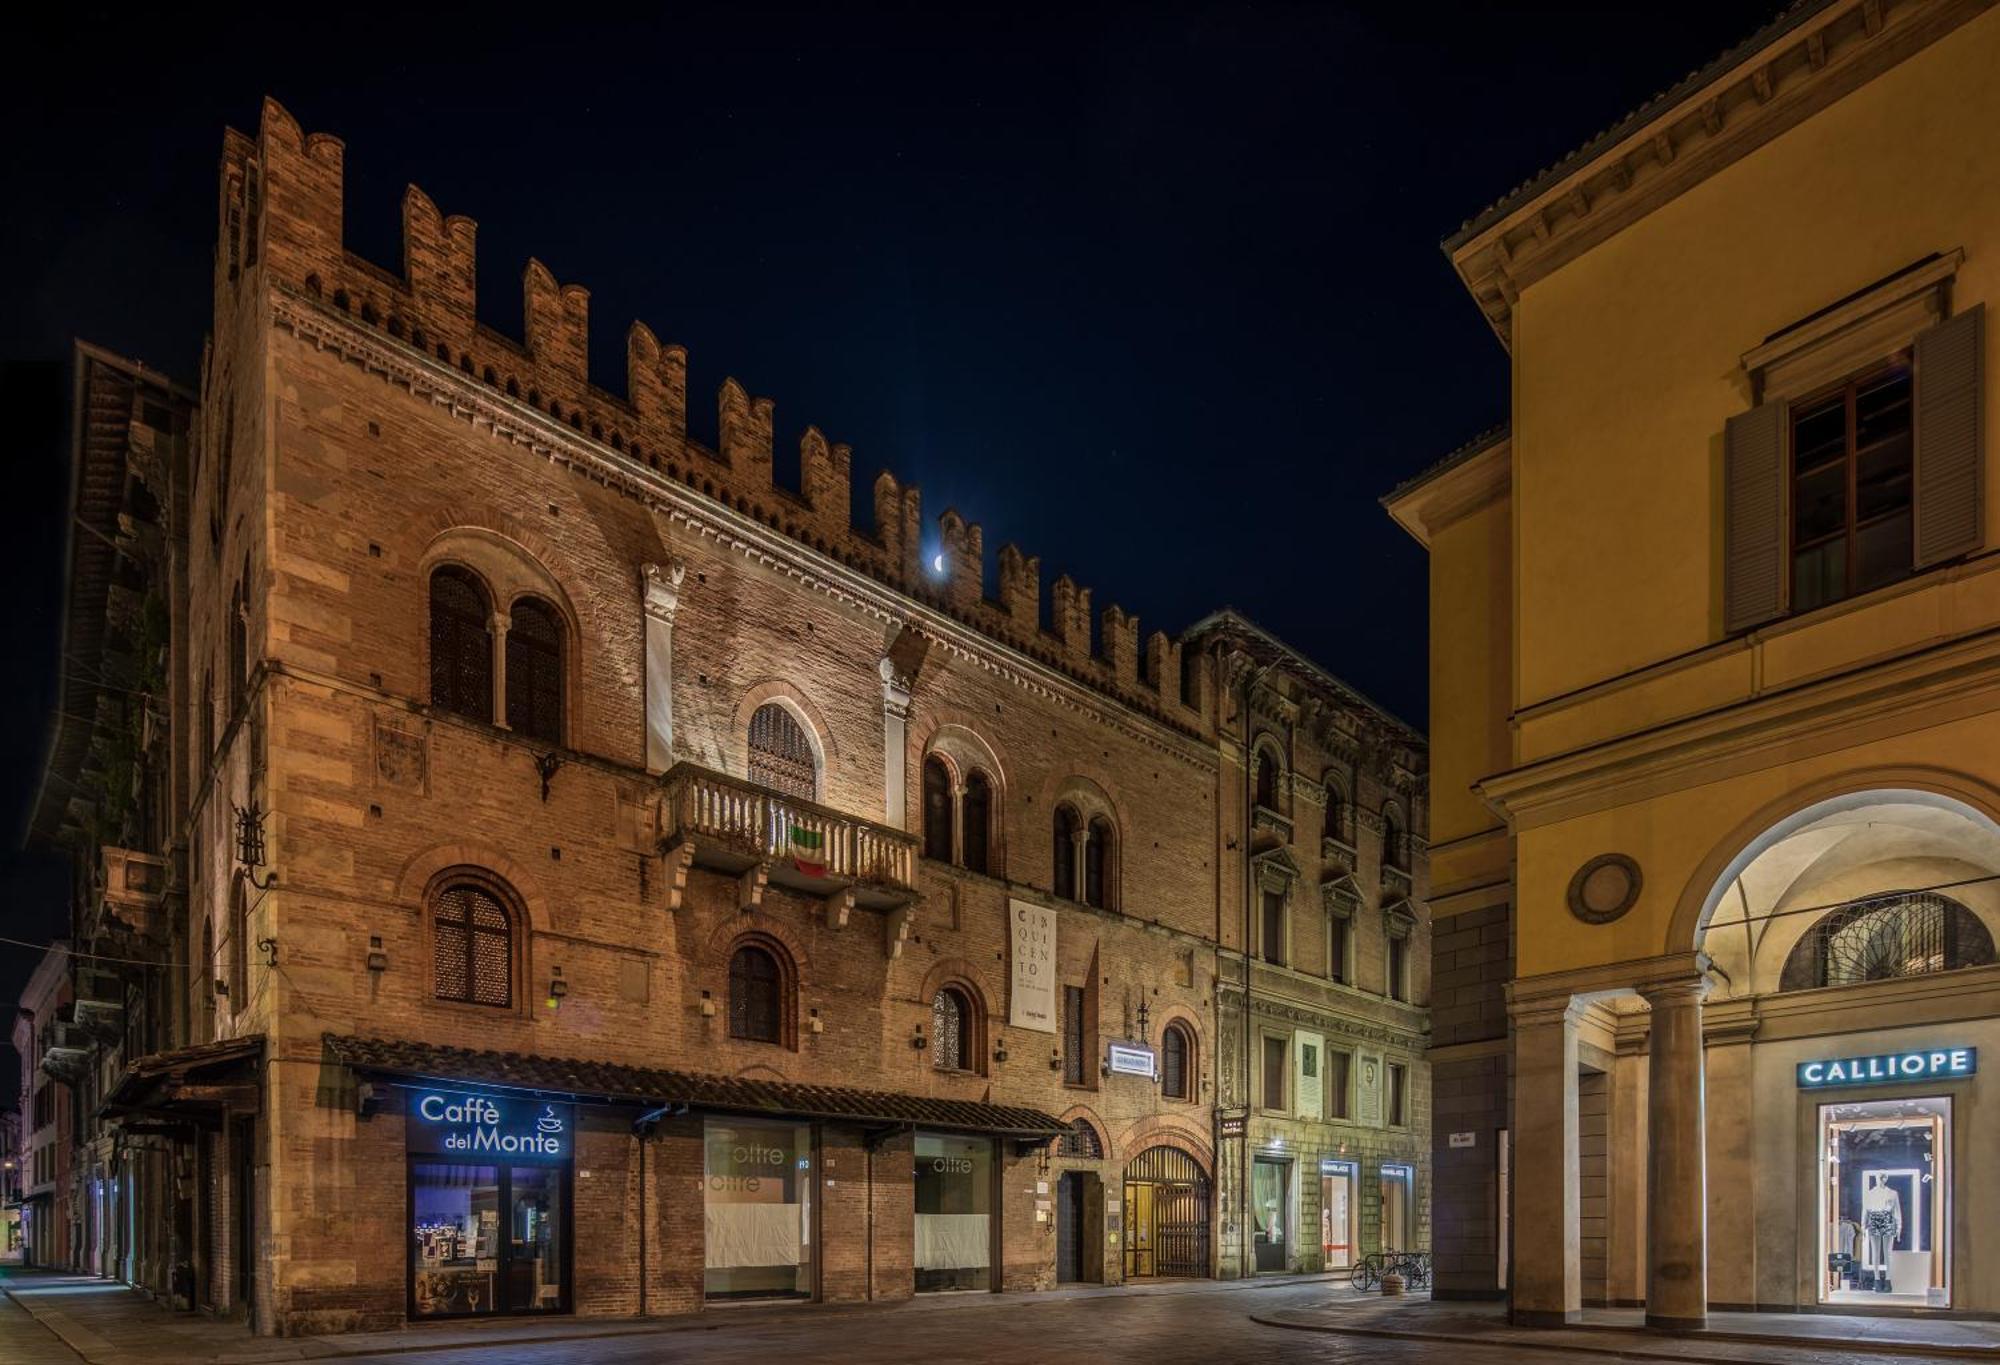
1166,1215
1069,1228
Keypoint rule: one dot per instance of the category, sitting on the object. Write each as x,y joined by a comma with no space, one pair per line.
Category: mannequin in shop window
1882,1222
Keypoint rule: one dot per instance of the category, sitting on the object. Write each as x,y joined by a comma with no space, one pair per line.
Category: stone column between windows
1676,1158
895,745
497,626
660,592
957,824
1547,1270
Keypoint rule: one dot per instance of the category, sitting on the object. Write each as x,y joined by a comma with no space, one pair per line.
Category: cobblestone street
1161,1324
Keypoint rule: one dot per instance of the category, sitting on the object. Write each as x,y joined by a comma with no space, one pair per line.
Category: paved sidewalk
107,1323
1621,1332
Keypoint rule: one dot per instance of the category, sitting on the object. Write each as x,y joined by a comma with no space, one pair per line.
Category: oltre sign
1923,1064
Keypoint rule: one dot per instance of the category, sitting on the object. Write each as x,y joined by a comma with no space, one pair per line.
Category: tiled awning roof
156,1079
722,1094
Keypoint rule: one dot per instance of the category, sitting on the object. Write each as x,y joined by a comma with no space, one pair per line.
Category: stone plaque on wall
1368,1088
402,757
1308,1074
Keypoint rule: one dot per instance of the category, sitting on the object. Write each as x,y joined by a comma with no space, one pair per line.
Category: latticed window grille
1080,1141
756,1004
461,648
781,757
937,810
1883,937
976,812
472,956
535,671
1068,829
951,1032
1097,863
1174,1063
1076,1041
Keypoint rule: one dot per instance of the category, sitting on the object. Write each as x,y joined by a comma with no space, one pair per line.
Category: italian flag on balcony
808,850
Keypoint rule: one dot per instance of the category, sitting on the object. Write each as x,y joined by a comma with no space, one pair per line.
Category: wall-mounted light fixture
250,845
378,961
813,1023
917,1039
558,988
1145,1019
707,1005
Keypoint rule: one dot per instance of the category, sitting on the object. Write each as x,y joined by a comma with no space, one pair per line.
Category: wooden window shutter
1753,517
1948,438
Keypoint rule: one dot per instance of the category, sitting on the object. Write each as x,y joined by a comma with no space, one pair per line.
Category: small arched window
1883,937
472,947
461,647
976,812
535,671
1069,829
756,996
1267,779
1336,812
951,1030
781,757
1394,847
1098,855
1080,1141
1176,1063
937,809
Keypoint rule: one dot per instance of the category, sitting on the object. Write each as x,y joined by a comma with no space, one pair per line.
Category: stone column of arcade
1676,1159
1547,1268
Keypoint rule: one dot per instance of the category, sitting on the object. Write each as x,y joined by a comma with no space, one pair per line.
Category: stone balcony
729,825
132,893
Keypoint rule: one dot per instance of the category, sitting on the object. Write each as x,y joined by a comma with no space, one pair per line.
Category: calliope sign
1930,1064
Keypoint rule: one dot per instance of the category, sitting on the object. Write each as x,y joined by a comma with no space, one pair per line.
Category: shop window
1884,937
954,1213
952,1031
1398,1205
1098,855
535,671
937,810
756,995
472,948
976,808
461,648
1275,1067
1176,1063
1885,1238
757,1210
1272,939
1068,832
1398,1103
781,754
1076,1037
489,1238
1270,1211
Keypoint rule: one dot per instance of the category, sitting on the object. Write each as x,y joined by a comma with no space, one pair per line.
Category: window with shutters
535,671
976,816
1275,1064
952,1031
461,647
1069,829
1177,1063
472,947
937,810
1852,504
1076,1037
781,754
757,990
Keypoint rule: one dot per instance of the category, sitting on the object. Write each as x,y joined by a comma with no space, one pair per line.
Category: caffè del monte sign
478,1125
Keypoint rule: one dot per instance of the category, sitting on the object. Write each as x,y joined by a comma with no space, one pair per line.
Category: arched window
535,671
756,996
1097,863
1903,934
1395,851
1080,1141
239,647
472,948
952,1031
461,648
1176,1063
937,809
781,757
1336,812
1267,779
1069,827
976,810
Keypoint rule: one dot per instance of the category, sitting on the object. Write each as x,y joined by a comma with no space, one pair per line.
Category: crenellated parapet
280,227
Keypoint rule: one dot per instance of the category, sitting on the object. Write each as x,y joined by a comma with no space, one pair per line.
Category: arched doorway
1166,1216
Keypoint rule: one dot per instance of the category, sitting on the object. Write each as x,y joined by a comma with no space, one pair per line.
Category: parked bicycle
1414,1266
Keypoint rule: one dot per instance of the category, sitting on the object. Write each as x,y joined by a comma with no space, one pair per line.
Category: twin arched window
953,1031
1177,1062
472,947
1098,856
530,693
756,995
781,753
964,818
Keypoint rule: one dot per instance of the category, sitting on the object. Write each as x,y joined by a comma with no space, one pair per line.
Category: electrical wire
95,957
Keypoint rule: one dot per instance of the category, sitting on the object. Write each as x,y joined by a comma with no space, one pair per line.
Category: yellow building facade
1715,671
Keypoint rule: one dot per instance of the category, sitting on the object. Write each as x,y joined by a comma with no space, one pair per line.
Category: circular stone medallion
1604,888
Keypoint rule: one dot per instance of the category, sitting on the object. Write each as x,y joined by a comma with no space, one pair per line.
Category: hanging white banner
1032,1001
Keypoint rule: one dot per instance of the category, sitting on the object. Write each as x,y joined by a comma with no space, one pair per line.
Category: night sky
1154,291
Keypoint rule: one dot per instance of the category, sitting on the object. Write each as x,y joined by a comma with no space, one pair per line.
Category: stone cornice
1718,118
405,368
1436,499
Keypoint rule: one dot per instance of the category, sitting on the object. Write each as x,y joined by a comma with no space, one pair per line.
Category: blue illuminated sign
460,1124
1930,1064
